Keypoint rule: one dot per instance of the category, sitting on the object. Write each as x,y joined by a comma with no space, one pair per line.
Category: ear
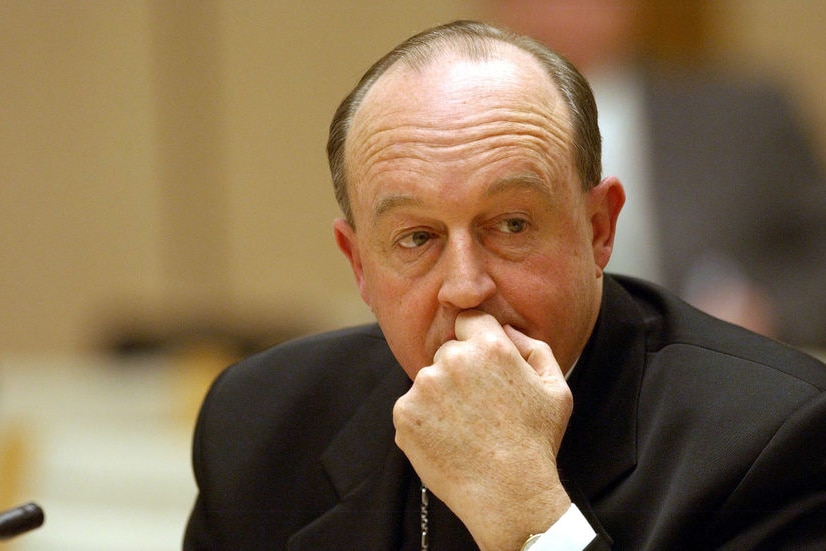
348,244
605,202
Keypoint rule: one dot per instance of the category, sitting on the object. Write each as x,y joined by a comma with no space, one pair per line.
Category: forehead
452,102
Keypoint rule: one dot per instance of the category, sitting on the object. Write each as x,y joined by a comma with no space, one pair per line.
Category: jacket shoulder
346,362
264,426
673,325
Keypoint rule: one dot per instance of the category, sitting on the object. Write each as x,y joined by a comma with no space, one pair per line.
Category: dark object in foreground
20,519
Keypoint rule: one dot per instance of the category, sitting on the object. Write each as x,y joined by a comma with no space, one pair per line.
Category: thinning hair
477,41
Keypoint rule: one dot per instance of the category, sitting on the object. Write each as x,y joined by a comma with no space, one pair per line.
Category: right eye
415,239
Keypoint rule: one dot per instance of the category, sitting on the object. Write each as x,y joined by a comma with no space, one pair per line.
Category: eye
512,225
415,239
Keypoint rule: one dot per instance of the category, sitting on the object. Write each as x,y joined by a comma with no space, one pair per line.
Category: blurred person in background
726,200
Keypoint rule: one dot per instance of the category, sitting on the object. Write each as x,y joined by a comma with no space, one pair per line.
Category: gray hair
476,41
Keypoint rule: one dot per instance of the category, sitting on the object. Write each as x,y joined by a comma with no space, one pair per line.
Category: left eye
512,225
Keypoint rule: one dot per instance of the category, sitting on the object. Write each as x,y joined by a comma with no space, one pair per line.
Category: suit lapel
369,474
600,443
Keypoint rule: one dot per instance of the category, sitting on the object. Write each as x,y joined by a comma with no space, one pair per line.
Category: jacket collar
368,438
600,446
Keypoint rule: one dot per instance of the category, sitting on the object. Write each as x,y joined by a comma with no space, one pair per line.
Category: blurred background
165,208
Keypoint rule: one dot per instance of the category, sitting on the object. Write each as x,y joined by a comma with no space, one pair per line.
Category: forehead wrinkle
379,162
424,142
386,129
465,115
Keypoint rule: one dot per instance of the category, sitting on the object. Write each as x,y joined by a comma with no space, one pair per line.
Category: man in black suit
467,165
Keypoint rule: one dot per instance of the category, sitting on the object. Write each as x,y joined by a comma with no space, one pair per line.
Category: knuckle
564,400
449,354
426,379
399,411
494,347
543,347
497,345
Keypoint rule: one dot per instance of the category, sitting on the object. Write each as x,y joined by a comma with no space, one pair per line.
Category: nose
466,282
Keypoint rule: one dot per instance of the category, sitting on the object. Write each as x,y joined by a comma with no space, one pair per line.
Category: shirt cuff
570,533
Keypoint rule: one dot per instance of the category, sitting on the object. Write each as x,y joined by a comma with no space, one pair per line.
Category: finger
537,353
471,323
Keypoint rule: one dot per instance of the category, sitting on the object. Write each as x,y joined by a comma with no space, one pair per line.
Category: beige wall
79,218
785,40
164,162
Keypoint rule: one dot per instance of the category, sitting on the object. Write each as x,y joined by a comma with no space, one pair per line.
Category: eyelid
407,235
505,218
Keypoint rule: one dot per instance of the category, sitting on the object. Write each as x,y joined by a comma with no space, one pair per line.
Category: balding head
475,42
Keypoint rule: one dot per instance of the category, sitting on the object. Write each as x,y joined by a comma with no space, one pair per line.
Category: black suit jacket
687,433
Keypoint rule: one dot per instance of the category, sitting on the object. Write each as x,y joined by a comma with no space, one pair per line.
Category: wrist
570,532
520,528
532,539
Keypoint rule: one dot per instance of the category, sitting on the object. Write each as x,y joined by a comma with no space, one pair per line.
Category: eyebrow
391,202
526,181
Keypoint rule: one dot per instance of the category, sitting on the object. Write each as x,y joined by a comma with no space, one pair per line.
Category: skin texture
482,258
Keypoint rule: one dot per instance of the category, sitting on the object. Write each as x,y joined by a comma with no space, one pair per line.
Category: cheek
402,303
533,289
405,308
392,285
546,289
